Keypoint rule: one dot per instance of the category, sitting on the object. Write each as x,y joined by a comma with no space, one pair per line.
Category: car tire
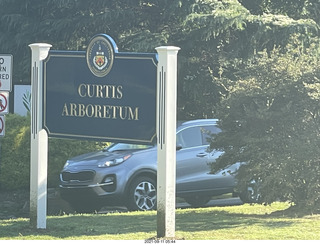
142,194
198,201
252,193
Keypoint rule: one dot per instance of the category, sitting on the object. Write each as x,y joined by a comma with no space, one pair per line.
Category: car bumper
102,185
89,193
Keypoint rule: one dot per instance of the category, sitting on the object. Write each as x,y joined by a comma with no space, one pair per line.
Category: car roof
183,124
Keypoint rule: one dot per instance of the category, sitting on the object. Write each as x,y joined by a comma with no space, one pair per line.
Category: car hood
95,158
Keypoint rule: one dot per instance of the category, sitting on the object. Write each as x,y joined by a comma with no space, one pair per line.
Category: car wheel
142,194
198,201
252,193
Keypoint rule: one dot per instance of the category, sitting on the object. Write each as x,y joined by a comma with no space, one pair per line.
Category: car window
190,137
207,132
125,146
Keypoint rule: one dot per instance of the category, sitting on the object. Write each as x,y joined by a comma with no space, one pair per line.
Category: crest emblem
100,55
100,61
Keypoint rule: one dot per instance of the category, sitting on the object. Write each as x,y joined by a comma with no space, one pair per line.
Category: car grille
77,176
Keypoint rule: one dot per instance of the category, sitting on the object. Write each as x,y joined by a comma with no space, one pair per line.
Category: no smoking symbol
3,103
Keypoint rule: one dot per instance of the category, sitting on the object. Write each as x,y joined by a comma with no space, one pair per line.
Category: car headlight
66,164
114,162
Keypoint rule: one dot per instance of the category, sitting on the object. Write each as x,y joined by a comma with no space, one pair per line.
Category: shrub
271,120
15,153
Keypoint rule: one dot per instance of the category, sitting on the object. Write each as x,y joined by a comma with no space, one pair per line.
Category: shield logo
99,60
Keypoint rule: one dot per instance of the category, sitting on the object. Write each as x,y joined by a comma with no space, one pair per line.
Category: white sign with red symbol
4,102
6,72
1,125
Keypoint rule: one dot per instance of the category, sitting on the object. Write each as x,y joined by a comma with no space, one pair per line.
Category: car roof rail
200,121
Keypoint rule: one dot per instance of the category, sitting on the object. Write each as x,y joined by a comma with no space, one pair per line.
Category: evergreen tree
270,121
211,33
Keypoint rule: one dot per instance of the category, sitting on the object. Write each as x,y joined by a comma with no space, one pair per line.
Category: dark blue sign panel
100,94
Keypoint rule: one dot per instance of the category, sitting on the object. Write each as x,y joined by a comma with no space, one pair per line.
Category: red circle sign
3,102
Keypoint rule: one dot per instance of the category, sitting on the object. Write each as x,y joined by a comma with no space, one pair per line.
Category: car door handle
201,155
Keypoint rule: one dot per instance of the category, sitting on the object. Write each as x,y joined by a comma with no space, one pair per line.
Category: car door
192,160
223,179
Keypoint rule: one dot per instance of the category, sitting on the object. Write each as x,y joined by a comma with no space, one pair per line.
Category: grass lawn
245,222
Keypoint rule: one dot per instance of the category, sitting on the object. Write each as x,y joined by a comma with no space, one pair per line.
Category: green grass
253,222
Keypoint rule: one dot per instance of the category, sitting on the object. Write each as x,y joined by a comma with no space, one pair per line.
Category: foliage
15,154
296,9
26,99
224,31
211,33
271,121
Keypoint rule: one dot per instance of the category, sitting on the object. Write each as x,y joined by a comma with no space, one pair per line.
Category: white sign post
166,140
6,72
39,140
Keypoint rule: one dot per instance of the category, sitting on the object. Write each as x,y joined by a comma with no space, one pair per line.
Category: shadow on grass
60,227
216,220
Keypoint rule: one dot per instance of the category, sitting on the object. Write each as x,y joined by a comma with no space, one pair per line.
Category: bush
271,120
15,154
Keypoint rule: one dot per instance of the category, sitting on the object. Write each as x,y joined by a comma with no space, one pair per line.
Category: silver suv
125,174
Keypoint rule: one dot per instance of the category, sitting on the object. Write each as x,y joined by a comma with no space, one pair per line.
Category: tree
226,31
211,33
270,120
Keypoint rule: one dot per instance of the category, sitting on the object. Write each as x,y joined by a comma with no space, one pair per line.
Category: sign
2,125
4,100
101,94
127,78
6,72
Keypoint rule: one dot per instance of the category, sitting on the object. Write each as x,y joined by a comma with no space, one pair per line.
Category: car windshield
125,146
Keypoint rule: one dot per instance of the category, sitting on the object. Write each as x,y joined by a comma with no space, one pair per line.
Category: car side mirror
178,147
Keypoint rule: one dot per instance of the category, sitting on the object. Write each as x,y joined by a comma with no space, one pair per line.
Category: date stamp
151,241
